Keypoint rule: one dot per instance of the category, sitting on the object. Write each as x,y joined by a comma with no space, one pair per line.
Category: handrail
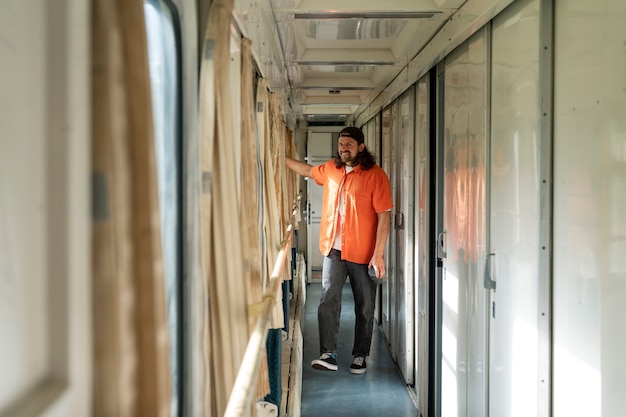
241,396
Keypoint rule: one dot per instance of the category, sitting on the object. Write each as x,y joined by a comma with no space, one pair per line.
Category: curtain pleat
272,219
249,203
279,139
221,231
206,136
131,373
113,390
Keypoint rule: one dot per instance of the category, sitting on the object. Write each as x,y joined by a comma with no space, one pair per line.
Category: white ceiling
328,58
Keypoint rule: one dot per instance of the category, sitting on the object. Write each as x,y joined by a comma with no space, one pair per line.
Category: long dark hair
364,158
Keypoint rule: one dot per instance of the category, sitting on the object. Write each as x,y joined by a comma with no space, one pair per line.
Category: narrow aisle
380,391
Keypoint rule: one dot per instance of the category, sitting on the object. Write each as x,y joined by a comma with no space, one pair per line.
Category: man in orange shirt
356,216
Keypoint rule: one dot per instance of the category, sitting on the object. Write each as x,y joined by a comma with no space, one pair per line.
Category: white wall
44,208
590,209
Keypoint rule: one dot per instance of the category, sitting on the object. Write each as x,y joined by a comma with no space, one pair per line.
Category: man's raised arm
298,167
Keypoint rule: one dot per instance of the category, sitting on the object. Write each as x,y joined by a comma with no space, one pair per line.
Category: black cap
352,132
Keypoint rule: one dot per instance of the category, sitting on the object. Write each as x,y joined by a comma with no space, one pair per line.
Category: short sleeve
382,200
318,173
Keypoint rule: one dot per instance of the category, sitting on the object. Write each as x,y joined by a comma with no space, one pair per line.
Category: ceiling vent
321,123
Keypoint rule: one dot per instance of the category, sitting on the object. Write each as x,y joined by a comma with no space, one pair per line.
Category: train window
162,26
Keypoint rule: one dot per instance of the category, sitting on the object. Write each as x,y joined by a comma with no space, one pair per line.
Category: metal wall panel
422,241
371,130
387,286
589,207
402,230
476,234
392,272
372,140
454,273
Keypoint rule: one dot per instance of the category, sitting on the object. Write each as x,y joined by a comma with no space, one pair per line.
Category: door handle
489,283
441,252
308,212
399,220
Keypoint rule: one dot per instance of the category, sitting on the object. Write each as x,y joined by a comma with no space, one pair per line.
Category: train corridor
380,391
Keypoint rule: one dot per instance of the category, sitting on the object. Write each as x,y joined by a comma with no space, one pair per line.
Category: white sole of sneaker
358,371
323,366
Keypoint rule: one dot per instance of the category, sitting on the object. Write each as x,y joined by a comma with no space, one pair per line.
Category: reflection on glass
161,27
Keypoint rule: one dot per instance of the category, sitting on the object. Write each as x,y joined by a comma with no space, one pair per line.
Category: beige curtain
273,194
131,375
249,215
221,231
279,144
291,177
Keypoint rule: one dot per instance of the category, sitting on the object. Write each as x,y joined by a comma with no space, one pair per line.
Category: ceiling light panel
331,15
353,29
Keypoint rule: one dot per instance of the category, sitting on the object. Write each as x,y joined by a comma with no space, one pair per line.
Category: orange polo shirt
365,194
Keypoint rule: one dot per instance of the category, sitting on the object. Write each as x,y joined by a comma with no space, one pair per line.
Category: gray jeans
334,274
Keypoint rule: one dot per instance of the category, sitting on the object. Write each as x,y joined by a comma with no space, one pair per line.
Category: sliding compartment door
513,268
423,242
461,234
402,179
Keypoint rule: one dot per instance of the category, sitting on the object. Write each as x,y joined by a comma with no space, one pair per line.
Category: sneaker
358,365
326,362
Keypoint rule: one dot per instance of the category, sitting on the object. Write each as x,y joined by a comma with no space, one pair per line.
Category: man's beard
348,159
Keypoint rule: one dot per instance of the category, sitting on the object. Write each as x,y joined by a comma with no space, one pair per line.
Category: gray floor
381,391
